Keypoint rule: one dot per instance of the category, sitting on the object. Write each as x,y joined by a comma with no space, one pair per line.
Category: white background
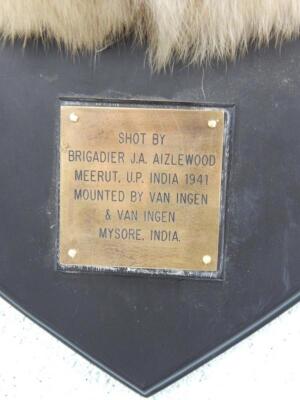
34,365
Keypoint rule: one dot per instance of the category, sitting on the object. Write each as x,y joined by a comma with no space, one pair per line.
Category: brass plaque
140,187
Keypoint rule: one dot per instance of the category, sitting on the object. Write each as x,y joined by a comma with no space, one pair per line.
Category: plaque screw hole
212,123
72,253
206,259
73,117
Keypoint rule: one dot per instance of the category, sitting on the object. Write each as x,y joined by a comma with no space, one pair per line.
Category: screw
73,117
212,123
206,259
72,253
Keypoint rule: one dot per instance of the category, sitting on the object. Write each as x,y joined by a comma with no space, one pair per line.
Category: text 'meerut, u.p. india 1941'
140,188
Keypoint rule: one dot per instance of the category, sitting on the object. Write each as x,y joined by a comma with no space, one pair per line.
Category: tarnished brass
140,187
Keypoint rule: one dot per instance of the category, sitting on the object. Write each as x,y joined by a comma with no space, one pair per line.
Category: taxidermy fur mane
192,31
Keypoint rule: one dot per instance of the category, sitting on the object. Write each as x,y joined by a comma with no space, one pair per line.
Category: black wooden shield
149,331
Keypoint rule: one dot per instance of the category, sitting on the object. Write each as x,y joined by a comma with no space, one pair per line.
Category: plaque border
229,119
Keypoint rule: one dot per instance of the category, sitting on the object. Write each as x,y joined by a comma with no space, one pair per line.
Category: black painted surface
149,331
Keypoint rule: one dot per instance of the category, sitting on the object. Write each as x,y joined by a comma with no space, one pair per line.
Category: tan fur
187,30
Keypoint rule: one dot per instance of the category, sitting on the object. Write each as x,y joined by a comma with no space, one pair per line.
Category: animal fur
192,31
